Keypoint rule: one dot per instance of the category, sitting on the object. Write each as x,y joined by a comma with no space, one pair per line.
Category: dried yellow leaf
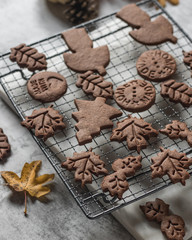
163,2
28,182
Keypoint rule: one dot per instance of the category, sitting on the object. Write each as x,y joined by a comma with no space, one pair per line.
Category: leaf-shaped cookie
28,182
187,58
177,92
171,163
156,210
129,164
173,227
92,117
45,121
95,84
85,164
28,57
4,145
116,182
176,130
135,131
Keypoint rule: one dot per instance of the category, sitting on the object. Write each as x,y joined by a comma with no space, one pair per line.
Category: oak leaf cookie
45,121
153,33
156,65
84,57
47,86
92,117
135,96
28,57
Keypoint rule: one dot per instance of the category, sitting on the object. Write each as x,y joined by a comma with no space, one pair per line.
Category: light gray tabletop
59,218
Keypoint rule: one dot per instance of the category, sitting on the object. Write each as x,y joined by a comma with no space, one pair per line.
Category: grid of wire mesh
124,54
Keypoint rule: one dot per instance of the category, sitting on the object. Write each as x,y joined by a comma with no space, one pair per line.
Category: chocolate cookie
176,130
155,210
135,96
133,15
4,145
92,117
95,84
171,163
84,57
116,183
156,65
172,226
28,57
177,92
135,131
85,164
46,86
45,121
153,33
188,59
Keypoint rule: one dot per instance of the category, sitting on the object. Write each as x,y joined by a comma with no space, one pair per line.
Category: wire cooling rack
124,54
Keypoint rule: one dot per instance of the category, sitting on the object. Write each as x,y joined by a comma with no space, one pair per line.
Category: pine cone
59,1
78,11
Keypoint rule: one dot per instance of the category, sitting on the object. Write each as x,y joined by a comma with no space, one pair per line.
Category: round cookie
135,96
47,86
156,65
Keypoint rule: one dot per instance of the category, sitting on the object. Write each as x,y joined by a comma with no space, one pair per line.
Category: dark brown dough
156,32
156,65
133,15
47,86
135,96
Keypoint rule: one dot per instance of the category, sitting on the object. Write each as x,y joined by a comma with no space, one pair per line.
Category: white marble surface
60,217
